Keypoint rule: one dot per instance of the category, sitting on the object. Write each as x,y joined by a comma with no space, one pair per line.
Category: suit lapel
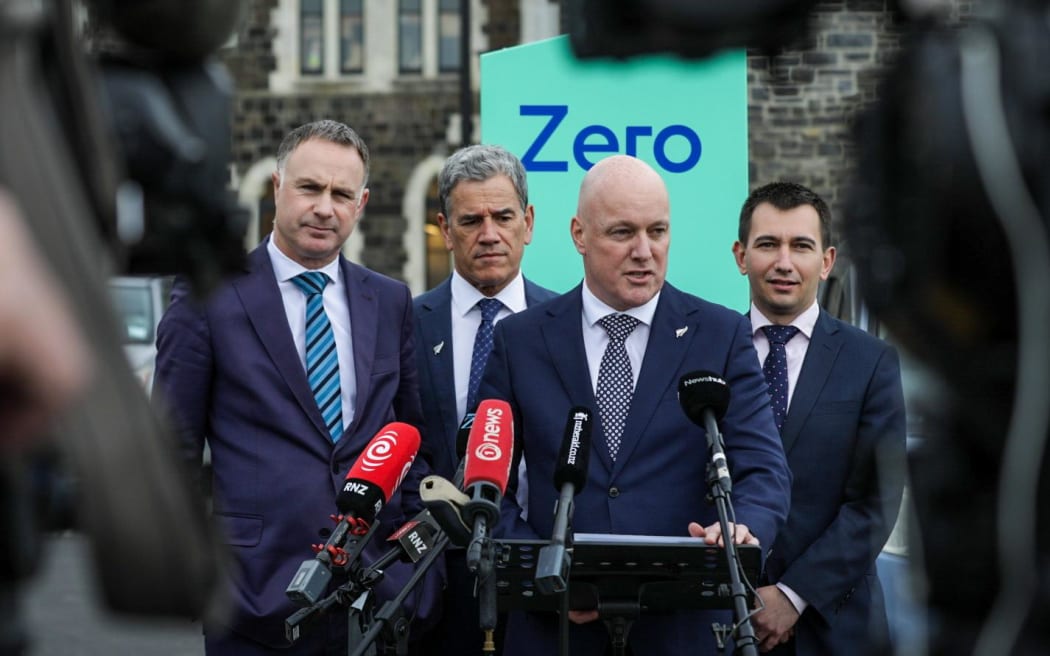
435,320
563,337
264,306
364,327
673,331
823,348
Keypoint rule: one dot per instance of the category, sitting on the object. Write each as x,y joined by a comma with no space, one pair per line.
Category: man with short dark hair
837,399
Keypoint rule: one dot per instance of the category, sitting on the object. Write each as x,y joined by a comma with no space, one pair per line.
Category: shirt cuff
798,602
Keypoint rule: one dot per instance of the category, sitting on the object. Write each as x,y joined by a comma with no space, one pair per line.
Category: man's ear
738,254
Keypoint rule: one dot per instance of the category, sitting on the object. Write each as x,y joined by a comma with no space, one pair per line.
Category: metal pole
466,94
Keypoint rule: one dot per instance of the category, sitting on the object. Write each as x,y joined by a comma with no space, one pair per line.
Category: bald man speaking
619,343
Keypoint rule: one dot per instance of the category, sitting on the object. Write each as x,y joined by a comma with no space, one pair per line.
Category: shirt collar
594,309
805,322
285,268
465,296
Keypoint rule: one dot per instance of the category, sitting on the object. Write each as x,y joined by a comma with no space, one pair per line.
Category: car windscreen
135,308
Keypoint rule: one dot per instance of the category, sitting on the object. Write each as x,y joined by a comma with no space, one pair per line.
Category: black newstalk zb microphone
552,570
369,484
705,397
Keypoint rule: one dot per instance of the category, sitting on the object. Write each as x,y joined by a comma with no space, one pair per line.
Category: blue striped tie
322,361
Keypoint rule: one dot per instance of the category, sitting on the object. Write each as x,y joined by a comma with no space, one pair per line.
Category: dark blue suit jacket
433,317
230,372
657,484
844,436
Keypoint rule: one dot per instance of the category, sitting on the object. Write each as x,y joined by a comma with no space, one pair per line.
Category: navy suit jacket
657,484
434,352
844,436
230,372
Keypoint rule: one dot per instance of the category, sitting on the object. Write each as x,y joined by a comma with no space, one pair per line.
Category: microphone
375,475
552,569
445,503
490,453
369,484
463,434
704,397
462,437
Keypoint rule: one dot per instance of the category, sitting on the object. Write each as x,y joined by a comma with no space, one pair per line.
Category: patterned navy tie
322,361
490,307
615,379
776,368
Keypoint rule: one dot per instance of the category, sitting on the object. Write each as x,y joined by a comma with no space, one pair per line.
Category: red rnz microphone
369,484
490,446
378,471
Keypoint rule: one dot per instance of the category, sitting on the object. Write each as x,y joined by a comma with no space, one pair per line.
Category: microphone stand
481,559
555,561
720,487
392,607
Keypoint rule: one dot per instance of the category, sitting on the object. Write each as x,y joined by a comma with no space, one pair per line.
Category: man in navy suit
234,372
486,220
843,432
647,468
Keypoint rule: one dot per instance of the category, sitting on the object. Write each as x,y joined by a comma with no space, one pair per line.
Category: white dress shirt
796,354
595,339
466,317
338,311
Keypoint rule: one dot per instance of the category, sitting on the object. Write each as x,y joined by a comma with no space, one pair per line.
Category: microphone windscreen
490,446
378,471
463,434
575,452
700,390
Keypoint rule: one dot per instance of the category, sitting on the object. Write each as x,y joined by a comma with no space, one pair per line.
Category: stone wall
401,129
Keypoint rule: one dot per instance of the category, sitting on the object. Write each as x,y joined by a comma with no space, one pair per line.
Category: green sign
687,119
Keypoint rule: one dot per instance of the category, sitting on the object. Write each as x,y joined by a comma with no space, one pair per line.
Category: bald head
615,178
622,228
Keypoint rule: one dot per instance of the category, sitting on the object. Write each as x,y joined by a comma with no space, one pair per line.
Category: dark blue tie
776,368
322,360
490,307
615,379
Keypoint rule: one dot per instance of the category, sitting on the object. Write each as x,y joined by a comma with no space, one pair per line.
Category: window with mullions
410,36
311,37
449,34
351,36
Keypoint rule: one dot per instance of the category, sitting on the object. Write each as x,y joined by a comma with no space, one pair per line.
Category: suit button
335,468
614,492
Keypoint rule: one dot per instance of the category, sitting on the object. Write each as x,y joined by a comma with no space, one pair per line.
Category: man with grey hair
486,220
286,416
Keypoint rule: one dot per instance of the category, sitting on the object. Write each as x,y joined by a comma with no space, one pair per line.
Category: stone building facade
801,104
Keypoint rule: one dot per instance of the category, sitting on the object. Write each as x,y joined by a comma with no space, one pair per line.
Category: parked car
140,302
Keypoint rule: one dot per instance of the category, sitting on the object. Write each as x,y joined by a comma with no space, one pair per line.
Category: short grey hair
326,130
478,163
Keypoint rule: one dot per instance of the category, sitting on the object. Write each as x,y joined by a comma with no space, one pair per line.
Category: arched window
439,259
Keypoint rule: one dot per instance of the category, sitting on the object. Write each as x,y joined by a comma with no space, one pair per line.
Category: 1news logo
489,449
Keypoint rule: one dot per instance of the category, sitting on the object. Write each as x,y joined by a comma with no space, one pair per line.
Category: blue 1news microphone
552,568
704,397
369,484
